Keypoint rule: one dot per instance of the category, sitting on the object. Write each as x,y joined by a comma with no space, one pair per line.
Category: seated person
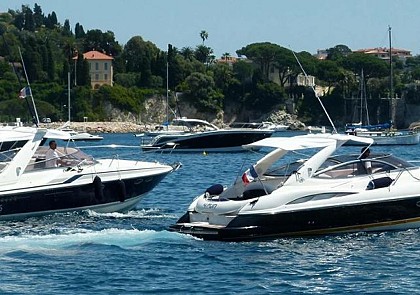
53,157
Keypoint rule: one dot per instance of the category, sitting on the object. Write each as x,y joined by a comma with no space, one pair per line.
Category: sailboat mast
391,82
391,86
361,98
68,94
363,101
168,54
167,94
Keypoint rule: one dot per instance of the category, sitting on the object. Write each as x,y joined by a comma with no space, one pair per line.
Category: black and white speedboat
323,194
203,136
28,188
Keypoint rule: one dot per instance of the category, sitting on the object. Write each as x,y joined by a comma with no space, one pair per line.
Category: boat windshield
194,124
289,163
350,165
388,158
342,166
284,170
8,150
72,157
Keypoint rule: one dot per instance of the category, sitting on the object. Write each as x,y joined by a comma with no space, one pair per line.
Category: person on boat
53,157
364,166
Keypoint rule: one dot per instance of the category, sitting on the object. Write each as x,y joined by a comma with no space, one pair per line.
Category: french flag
24,92
249,175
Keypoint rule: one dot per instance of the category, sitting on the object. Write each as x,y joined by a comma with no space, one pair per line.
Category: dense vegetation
49,48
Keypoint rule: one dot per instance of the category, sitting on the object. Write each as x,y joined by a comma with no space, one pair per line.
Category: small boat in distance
381,137
79,136
170,128
203,136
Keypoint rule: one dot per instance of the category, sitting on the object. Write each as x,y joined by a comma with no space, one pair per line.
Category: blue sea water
134,253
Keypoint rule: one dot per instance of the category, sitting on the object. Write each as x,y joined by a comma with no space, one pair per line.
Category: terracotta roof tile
96,55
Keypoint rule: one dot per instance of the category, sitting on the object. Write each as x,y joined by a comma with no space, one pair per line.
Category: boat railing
9,154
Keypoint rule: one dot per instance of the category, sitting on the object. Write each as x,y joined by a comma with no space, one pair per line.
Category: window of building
106,66
96,66
105,77
96,77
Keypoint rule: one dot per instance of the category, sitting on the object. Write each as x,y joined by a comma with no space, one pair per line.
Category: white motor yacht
322,194
79,136
28,188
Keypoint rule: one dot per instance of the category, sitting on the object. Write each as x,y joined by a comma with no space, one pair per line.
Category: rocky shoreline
103,127
280,117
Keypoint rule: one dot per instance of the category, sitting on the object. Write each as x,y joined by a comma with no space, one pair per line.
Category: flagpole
30,91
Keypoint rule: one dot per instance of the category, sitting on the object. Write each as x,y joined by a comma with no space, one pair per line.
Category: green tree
200,90
38,16
82,71
19,20
50,62
79,32
51,22
262,54
138,55
29,19
102,42
204,36
187,53
223,76
371,65
225,56
286,64
338,52
265,96
204,54
330,72
66,28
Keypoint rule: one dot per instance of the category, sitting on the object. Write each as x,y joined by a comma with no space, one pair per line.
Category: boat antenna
363,100
313,89
30,90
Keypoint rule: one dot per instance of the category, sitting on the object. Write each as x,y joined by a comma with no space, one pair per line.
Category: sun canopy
306,141
11,133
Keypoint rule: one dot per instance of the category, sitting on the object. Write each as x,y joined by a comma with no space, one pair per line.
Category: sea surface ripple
134,253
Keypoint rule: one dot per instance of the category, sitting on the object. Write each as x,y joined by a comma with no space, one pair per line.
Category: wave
76,239
108,146
136,214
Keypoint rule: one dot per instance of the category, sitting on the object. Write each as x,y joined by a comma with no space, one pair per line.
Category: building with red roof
100,68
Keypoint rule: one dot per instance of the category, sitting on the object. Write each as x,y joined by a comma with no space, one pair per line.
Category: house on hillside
383,53
100,68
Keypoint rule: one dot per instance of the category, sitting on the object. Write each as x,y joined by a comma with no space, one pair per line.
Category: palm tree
226,56
187,53
204,35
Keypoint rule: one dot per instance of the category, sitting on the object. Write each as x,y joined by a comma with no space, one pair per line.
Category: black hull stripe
74,178
69,198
